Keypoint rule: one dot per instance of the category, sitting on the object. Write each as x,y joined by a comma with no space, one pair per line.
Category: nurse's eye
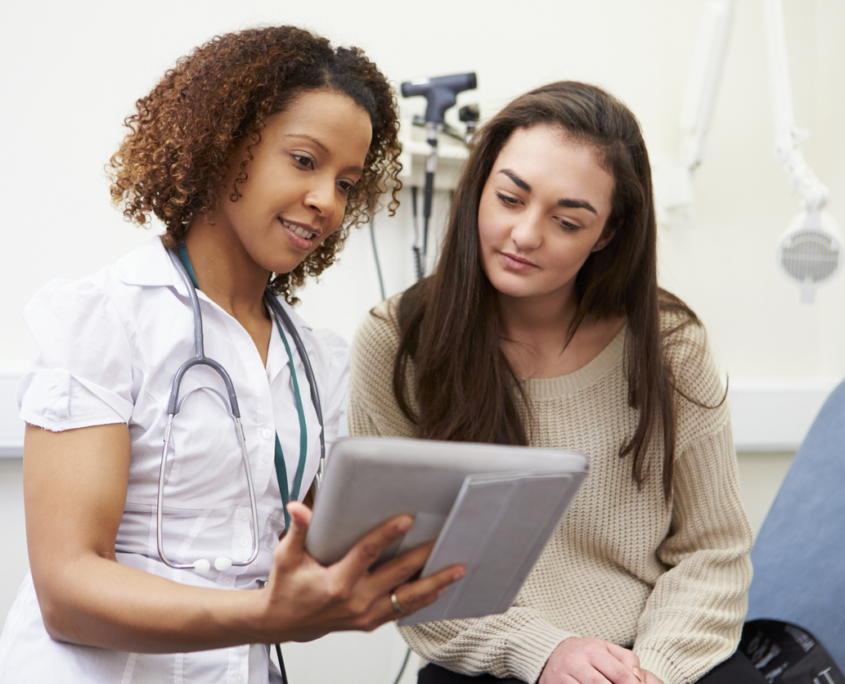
304,160
346,187
507,200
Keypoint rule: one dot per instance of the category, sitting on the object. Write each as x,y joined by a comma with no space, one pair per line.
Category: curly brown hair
183,135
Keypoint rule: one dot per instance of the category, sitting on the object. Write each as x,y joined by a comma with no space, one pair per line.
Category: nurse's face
543,211
308,161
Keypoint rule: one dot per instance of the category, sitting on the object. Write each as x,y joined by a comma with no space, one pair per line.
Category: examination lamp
441,93
810,251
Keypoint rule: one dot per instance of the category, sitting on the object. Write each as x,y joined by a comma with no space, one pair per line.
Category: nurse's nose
322,198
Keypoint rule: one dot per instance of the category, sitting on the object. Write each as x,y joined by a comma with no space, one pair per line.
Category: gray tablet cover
368,480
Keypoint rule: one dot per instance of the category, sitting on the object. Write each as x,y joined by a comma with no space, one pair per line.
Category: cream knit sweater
669,581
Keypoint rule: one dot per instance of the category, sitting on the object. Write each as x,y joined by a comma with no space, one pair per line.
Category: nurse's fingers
391,581
411,597
300,517
399,570
361,557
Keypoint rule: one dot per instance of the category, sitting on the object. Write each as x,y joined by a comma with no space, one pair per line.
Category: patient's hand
589,660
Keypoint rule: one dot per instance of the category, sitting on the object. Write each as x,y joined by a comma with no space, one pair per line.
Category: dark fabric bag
787,654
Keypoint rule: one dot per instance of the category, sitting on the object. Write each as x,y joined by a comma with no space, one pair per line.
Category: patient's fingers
590,661
625,655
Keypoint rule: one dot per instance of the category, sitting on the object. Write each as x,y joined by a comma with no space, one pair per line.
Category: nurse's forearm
75,490
98,602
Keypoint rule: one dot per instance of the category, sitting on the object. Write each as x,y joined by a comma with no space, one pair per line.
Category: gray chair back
799,555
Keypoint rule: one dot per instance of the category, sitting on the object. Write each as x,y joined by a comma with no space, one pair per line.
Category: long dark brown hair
463,385
183,134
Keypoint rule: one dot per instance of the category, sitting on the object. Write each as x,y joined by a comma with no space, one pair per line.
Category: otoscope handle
429,191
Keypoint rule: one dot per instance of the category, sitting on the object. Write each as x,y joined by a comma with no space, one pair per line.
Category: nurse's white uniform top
107,348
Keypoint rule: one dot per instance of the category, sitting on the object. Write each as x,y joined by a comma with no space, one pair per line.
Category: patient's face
543,211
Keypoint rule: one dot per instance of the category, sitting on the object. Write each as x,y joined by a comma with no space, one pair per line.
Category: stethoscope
222,563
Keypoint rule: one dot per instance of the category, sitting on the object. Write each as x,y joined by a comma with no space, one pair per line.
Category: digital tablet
369,480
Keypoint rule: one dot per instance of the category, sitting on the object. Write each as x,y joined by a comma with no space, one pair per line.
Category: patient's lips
516,263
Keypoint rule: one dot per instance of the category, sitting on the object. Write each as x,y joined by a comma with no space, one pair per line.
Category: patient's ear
604,240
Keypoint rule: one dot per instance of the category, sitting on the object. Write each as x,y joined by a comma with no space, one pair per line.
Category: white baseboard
766,415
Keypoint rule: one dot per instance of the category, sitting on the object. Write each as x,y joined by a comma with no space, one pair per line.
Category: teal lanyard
281,470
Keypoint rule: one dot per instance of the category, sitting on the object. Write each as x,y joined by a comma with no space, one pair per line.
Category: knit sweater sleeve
693,617
514,644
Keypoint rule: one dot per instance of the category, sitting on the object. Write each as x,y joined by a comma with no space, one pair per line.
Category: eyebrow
569,203
308,137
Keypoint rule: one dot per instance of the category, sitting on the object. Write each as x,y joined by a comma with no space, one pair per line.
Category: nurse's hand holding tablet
324,596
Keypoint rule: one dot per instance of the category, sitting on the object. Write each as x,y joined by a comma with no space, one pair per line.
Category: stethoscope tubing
174,406
279,310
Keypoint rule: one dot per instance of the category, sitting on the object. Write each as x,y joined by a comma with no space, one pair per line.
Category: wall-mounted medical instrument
469,115
441,94
810,250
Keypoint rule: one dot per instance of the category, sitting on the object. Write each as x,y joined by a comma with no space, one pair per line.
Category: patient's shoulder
380,328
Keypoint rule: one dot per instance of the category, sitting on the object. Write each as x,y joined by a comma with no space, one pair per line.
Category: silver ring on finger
396,605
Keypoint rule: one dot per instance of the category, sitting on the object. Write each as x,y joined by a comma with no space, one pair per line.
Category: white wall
70,72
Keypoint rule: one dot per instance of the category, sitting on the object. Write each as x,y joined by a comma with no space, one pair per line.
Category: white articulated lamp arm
674,184
813,193
705,78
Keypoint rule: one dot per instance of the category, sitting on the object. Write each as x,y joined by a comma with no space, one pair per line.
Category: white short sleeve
82,371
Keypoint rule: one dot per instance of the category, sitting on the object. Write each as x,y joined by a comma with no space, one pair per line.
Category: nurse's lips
516,263
300,235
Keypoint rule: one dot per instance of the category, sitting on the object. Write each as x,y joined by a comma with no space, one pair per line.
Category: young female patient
544,325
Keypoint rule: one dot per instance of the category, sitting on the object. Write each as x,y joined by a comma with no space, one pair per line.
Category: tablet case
497,507
497,529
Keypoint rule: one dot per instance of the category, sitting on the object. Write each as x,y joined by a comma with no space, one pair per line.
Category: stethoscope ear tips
202,566
222,563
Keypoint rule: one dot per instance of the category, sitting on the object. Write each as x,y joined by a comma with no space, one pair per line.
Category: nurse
258,152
